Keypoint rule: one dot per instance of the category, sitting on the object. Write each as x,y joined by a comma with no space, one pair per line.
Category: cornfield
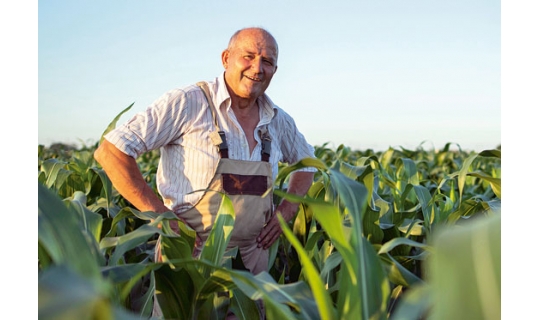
399,234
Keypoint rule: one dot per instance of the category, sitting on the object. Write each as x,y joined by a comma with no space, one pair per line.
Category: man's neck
245,111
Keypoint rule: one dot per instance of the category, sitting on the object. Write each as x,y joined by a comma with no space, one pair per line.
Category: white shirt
179,123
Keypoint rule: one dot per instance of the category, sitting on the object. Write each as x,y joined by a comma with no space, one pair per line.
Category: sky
365,74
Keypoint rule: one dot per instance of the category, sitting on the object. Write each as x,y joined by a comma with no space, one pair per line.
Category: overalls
244,182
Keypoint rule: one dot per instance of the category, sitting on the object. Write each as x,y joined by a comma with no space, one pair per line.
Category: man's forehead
257,47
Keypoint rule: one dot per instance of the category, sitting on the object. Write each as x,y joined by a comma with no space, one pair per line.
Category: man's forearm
126,177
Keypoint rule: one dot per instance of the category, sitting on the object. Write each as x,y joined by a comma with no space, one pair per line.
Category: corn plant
370,241
387,211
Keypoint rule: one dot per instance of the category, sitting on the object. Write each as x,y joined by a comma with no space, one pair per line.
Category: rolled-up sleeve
152,128
294,145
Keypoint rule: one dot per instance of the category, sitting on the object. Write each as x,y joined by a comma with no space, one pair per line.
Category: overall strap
219,140
266,144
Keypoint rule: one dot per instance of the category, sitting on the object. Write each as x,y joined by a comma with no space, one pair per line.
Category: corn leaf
220,235
112,124
368,280
60,234
467,259
323,300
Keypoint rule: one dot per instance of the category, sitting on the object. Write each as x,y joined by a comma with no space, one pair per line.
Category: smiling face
250,62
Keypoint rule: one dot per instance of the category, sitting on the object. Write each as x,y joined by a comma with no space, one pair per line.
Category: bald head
252,32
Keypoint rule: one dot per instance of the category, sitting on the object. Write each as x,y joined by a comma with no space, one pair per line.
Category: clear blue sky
366,74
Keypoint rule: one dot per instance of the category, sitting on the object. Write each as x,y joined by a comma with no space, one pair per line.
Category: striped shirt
180,123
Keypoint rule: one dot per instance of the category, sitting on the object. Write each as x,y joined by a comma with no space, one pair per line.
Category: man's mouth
253,78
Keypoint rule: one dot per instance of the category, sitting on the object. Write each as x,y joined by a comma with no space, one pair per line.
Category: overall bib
244,182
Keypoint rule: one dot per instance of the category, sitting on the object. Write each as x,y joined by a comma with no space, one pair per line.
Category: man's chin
252,93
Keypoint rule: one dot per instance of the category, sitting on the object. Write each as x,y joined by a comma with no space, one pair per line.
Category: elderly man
224,135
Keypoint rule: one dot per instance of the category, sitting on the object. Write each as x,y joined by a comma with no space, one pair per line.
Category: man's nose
257,65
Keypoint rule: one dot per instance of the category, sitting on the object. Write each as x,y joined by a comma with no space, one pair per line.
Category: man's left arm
299,184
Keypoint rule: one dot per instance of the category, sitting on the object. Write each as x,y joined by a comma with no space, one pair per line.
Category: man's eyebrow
247,51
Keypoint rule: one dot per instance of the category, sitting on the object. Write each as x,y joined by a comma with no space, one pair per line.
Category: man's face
250,64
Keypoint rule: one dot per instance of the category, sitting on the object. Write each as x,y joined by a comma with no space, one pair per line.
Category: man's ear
225,58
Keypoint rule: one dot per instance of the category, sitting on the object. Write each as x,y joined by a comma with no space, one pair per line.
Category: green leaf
55,171
174,247
398,274
174,292
415,304
392,243
286,301
462,175
243,307
304,163
129,241
495,183
92,222
127,275
220,235
107,186
369,283
408,170
60,234
322,298
64,294
467,258
491,153
112,125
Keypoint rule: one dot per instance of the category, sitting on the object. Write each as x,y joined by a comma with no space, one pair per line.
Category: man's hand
272,230
299,184
174,226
